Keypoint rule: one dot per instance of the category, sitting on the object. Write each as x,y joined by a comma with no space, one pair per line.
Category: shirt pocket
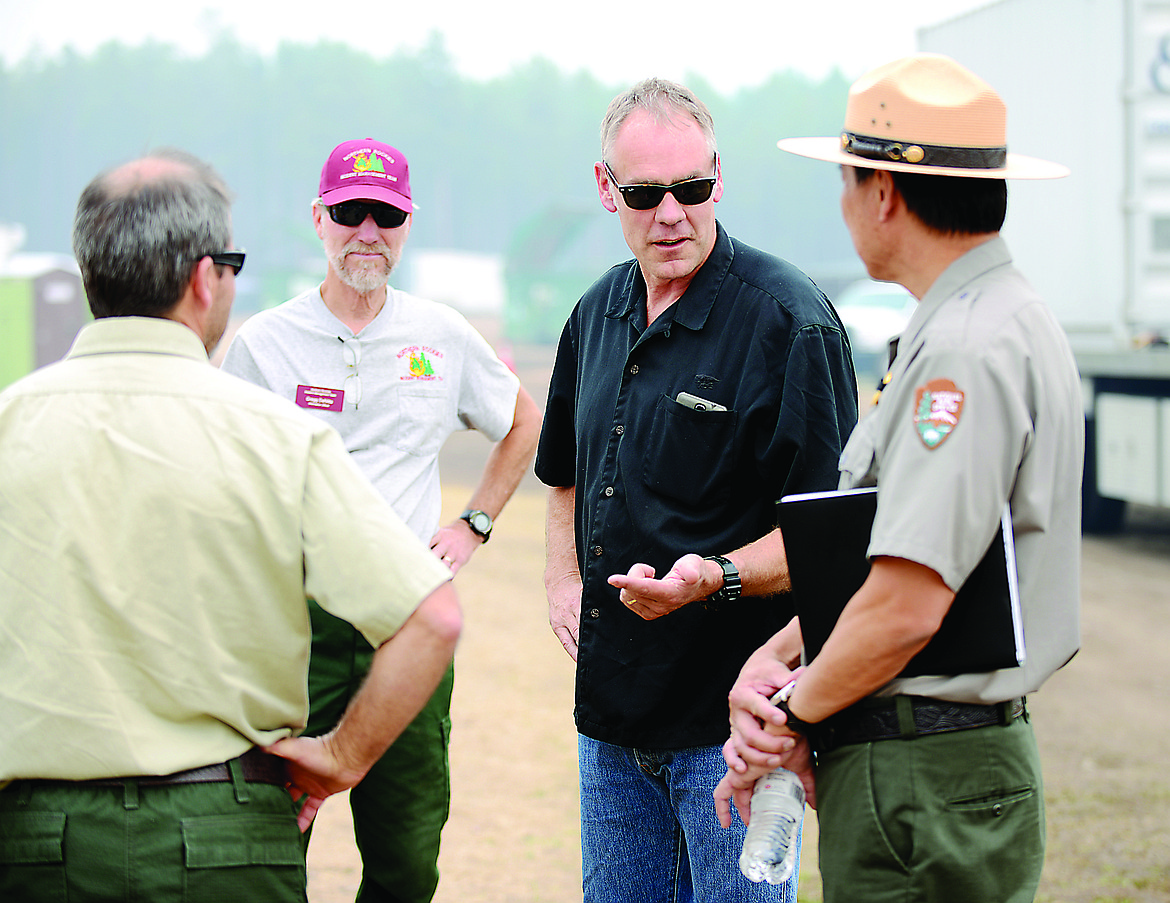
422,415
688,454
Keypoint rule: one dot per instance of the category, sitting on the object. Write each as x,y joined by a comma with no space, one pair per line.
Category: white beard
364,277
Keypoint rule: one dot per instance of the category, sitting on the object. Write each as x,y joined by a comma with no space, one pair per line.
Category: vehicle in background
1087,84
42,306
873,313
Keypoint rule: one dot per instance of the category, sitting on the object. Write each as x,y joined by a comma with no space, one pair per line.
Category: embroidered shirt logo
421,362
420,366
937,408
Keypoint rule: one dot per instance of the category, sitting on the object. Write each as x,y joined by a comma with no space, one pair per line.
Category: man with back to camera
163,527
693,386
930,788
395,375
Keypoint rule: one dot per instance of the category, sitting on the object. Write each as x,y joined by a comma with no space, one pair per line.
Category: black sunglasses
233,259
354,213
648,197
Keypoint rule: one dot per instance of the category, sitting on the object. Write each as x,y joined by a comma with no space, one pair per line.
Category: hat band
924,154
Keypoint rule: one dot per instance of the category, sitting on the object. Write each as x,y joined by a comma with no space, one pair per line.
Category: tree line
488,158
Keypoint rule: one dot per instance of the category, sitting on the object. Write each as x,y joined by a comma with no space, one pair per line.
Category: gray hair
137,238
661,98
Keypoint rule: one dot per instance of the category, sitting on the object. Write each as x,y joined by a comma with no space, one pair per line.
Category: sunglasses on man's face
233,259
648,197
354,213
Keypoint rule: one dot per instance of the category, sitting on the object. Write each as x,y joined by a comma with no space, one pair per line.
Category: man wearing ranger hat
395,375
929,788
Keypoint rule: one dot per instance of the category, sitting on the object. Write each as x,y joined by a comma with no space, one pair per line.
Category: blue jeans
649,832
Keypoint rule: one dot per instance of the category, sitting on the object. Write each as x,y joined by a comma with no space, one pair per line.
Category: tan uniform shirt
161,524
984,406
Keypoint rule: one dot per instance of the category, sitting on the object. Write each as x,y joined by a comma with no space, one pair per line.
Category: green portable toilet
42,306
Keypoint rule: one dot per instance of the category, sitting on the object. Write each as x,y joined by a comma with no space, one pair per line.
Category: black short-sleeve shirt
656,479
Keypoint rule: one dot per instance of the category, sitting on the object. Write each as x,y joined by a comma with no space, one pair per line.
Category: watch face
481,522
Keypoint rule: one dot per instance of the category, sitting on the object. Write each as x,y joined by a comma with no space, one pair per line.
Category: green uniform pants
402,803
955,817
200,843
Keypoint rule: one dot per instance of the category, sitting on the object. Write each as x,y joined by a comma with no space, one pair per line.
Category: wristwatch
479,521
730,590
780,700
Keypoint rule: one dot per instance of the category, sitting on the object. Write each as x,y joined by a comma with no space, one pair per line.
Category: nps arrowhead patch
937,408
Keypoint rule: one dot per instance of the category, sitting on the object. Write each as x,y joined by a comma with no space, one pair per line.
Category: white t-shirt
424,373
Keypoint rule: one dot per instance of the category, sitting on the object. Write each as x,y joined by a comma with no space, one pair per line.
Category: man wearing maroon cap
395,375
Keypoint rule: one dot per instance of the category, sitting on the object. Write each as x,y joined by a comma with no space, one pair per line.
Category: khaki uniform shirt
983,407
161,524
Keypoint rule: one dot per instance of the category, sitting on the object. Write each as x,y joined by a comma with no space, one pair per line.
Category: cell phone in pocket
699,404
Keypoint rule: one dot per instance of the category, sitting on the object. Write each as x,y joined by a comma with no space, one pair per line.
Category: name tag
320,399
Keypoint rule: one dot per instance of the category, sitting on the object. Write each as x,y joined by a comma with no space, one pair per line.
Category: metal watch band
730,590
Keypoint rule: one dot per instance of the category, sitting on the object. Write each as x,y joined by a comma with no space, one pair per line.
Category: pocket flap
32,837
227,841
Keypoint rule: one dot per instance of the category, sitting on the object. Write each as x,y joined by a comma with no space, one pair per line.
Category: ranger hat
926,114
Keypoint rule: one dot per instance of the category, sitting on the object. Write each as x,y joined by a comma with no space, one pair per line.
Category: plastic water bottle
769,849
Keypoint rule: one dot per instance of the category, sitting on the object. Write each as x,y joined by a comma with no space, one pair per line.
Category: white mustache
361,247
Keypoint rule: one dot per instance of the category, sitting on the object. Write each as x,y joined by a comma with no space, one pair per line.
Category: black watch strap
730,591
780,700
480,522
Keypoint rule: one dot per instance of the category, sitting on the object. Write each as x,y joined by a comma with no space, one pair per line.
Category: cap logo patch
368,162
937,408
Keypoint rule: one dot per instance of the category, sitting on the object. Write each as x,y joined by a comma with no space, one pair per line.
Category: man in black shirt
693,387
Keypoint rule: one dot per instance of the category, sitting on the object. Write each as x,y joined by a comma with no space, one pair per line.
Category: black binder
826,535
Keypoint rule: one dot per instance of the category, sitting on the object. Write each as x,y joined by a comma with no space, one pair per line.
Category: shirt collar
137,335
977,262
693,308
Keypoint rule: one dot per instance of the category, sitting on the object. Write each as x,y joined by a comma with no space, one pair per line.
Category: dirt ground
1103,724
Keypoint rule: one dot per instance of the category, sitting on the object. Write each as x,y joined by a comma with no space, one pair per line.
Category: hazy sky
730,43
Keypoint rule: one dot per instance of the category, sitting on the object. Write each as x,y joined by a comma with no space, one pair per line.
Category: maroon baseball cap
366,170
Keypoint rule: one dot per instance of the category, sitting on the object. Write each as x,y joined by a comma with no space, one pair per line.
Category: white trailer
1087,83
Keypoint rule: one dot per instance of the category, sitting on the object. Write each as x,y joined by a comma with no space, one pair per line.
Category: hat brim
829,150
367,192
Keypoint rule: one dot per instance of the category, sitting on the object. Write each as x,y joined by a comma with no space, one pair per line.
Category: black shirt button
595,613
597,551
634,370
608,491
619,429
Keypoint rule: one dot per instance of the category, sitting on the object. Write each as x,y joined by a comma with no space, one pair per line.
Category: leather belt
906,717
256,766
